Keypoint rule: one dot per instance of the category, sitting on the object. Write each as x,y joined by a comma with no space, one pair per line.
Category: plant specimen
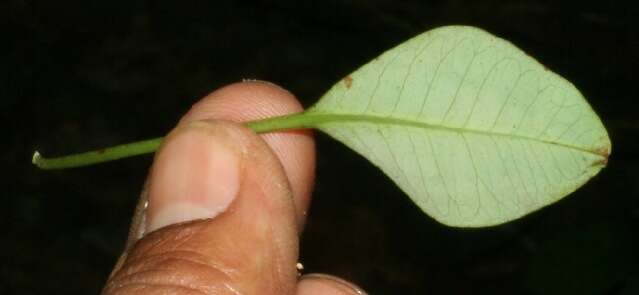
471,128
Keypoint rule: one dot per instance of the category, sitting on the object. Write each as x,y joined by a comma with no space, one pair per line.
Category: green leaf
474,130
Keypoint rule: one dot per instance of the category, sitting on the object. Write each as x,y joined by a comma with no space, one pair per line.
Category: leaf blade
474,110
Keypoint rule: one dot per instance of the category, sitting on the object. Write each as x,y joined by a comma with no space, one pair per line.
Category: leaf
475,131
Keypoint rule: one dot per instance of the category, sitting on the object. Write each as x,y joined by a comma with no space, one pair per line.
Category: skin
222,208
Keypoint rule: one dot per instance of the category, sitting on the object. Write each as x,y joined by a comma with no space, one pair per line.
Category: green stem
97,156
294,121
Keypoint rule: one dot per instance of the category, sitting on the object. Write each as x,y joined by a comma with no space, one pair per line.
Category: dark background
78,75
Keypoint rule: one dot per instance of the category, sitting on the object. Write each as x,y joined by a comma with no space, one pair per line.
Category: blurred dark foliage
81,74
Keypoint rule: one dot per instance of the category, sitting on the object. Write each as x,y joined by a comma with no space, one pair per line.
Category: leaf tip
604,152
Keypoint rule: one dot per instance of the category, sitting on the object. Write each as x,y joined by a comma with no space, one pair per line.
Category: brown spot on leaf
100,151
348,81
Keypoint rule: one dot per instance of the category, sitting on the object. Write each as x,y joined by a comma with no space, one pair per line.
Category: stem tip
36,158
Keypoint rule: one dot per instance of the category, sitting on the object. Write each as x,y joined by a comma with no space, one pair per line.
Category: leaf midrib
315,119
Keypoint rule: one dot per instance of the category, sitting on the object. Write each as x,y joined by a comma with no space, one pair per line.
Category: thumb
220,219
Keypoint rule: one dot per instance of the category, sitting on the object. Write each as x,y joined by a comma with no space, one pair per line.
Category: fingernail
326,284
195,176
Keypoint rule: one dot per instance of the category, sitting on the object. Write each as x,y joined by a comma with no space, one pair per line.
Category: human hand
225,206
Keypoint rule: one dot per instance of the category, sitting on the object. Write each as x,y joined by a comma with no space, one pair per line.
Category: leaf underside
473,129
